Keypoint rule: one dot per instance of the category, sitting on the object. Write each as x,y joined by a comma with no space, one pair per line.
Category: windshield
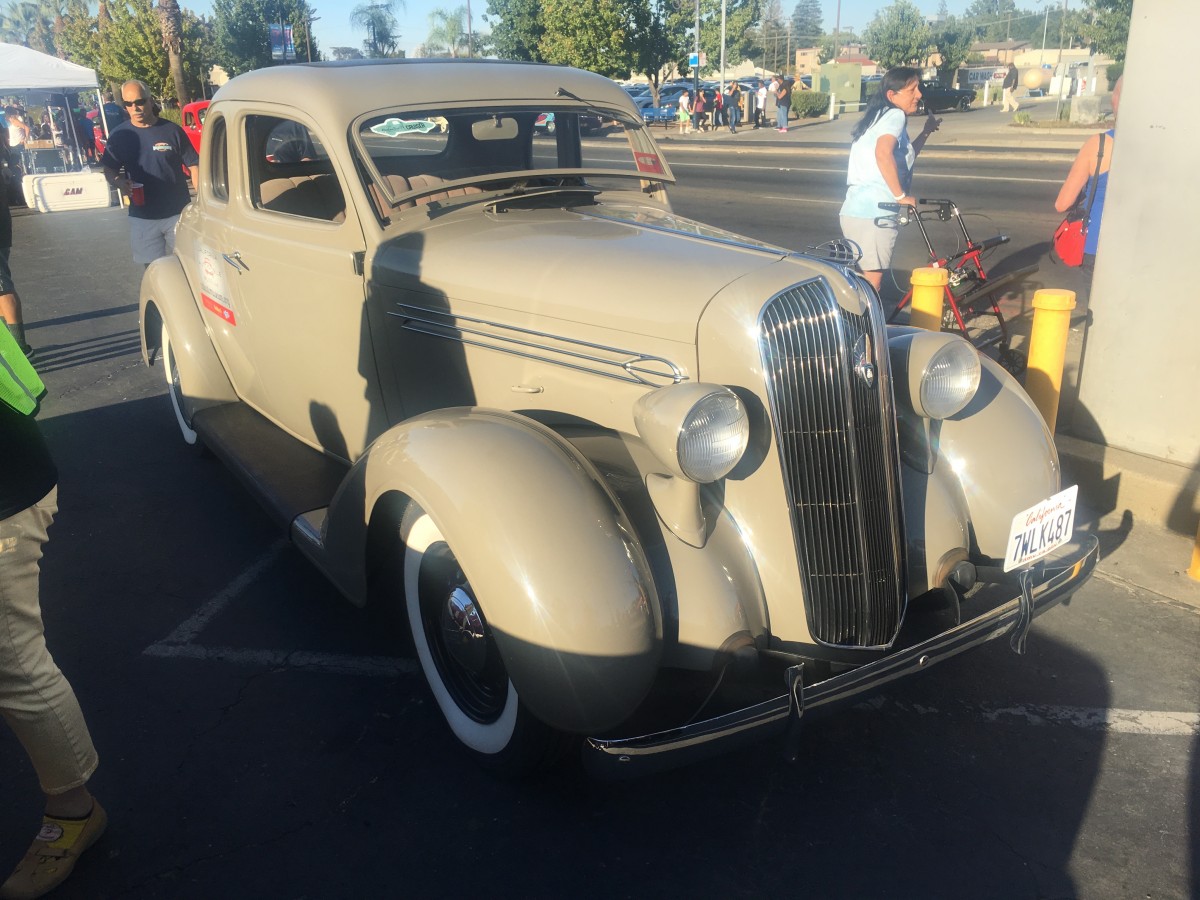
437,154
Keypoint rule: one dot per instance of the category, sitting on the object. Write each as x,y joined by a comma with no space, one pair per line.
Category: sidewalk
981,130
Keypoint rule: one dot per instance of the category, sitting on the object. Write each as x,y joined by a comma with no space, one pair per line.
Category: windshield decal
394,127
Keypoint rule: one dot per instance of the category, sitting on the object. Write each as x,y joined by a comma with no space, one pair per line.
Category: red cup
137,193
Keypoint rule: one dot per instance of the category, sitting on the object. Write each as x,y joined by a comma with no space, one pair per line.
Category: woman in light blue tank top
880,168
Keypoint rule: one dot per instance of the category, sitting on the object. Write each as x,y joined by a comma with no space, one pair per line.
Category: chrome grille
837,445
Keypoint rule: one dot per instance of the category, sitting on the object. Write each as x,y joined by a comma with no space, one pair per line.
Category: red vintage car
193,120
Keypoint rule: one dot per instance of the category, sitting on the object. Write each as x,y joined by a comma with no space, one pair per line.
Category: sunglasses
139,102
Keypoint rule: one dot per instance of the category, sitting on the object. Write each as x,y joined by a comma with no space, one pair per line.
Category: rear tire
964,105
461,661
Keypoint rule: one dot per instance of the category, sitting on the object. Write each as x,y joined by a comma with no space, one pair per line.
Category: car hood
631,268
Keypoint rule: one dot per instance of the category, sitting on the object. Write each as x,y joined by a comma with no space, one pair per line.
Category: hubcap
463,631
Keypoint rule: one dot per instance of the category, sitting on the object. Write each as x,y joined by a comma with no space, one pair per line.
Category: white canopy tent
22,69
46,80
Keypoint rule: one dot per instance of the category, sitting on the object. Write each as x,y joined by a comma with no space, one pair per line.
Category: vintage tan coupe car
633,478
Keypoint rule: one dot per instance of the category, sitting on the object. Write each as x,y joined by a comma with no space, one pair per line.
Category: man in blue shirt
145,159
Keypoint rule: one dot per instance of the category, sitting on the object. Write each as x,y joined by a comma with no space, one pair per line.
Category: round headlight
713,437
697,431
950,379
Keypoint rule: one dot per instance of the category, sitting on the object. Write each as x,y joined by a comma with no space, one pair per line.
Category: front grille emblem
864,367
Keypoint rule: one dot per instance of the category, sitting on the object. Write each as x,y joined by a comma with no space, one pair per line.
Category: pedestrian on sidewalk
881,167
685,113
36,700
1009,86
1091,164
760,105
733,100
783,104
699,110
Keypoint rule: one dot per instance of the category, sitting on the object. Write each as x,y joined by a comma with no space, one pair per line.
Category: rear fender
550,554
167,297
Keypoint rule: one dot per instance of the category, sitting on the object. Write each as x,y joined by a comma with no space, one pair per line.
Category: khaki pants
35,698
1010,100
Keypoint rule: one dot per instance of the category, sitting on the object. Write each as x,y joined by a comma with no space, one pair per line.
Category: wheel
920,107
964,104
461,662
550,127
175,392
1012,360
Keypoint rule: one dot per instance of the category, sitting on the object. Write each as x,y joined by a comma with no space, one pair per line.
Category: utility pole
696,68
722,46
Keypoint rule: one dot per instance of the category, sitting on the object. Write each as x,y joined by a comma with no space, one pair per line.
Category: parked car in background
192,120
936,97
650,517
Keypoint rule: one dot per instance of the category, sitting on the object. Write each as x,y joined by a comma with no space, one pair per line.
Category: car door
293,251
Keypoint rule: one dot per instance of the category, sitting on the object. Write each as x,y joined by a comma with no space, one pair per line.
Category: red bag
1070,237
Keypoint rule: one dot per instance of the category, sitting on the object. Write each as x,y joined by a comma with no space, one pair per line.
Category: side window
290,171
218,160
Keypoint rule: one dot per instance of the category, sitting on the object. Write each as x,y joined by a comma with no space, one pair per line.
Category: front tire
460,659
964,105
175,392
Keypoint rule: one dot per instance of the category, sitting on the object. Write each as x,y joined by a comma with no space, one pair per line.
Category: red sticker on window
214,307
648,163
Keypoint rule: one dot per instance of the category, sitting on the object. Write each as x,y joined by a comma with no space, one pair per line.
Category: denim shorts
6,282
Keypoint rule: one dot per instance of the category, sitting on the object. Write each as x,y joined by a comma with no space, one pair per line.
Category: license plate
1041,528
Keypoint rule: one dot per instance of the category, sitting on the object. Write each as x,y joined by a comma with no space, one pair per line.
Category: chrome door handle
235,260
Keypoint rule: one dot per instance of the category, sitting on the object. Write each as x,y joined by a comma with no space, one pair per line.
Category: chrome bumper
1044,584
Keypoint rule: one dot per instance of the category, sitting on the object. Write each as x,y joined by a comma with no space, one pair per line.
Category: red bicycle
969,292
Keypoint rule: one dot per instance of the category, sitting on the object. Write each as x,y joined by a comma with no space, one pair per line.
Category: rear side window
218,159
290,170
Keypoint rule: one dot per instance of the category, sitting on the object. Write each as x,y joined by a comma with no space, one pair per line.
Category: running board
286,477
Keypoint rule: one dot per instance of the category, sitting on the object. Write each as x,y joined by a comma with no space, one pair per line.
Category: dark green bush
1113,72
810,104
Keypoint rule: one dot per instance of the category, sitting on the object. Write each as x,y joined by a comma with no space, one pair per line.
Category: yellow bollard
1194,570
928,289
1047,350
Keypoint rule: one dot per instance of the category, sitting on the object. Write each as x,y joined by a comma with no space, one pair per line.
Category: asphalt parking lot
259,737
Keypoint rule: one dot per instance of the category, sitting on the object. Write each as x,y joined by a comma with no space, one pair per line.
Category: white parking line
181,643
1087,718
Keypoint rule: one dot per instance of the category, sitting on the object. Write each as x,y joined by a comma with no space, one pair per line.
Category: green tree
340,53
517,28
448,33
898,35
1108,28
952,40
241,35
379,21
806,24
596,36
658,39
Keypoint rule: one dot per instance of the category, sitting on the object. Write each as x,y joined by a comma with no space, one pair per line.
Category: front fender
167,297
1003,455
550,554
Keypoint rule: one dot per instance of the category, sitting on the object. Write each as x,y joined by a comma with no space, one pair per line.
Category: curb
1156,492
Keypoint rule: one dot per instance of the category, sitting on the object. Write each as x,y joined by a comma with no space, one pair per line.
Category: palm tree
170,19
448,33
380,23
21,23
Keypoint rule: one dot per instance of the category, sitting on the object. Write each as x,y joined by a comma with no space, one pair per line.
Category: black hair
896,79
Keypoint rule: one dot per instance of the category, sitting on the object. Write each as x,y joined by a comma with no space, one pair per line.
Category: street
259,737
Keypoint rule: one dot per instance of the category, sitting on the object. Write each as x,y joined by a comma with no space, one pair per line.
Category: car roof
339,91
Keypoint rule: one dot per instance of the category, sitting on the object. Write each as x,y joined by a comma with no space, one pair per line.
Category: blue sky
333,28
